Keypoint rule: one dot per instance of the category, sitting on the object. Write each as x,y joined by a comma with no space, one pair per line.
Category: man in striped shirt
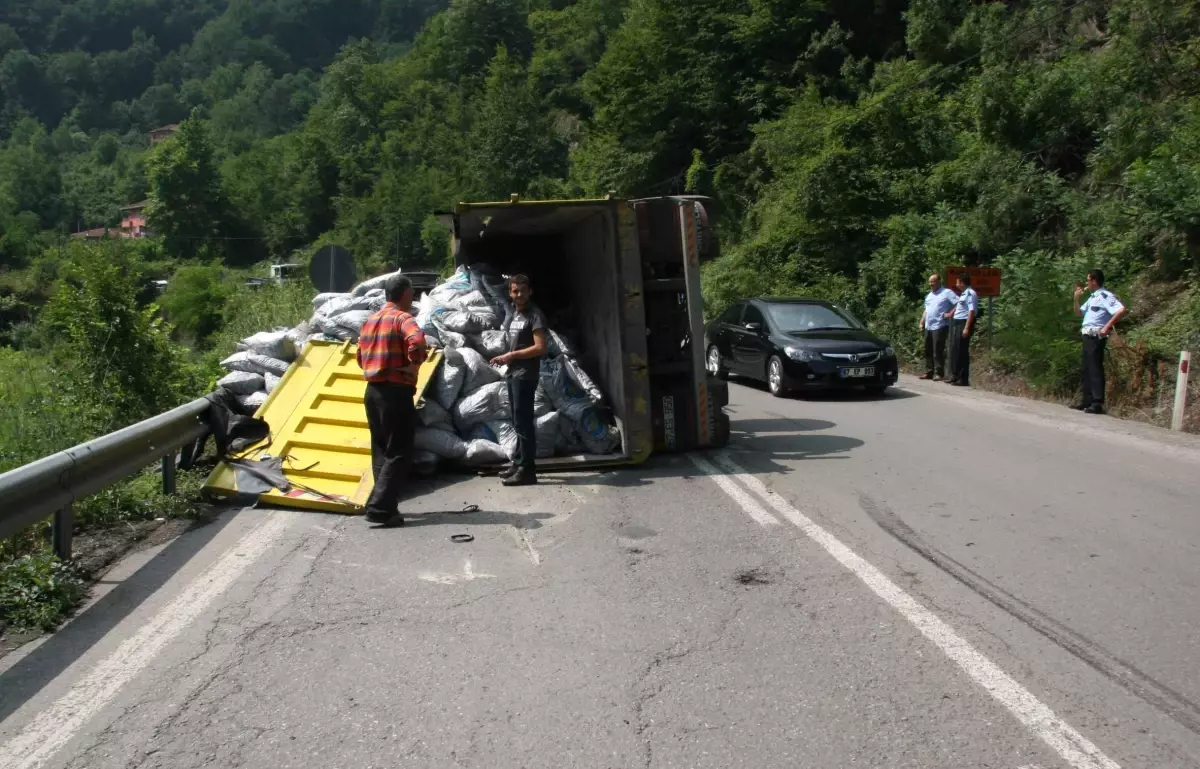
391,349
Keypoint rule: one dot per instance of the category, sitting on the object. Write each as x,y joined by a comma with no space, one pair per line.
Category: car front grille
849,357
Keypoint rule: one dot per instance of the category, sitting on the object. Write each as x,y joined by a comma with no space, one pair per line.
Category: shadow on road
527,521
890,394
41,666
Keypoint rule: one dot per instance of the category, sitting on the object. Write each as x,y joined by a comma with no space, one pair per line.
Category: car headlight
889,352
795,353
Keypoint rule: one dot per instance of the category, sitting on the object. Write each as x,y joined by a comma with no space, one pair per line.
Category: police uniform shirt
518,331
1100,308
966,304
937,304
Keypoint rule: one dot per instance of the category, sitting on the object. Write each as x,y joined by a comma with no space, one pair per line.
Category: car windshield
809,317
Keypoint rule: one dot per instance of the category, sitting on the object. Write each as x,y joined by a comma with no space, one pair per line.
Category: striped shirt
390,341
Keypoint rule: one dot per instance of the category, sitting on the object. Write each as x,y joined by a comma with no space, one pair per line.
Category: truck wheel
775,378
714,363
718,399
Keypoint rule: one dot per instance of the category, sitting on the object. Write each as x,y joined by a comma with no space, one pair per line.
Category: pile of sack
466,416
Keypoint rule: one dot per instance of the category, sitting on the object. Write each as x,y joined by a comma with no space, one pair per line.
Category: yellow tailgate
319,427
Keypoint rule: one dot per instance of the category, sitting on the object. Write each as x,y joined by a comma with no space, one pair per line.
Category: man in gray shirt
525,337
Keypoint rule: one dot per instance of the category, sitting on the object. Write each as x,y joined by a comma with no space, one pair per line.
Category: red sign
985,280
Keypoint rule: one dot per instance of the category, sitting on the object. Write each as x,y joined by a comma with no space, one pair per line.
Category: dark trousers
392,418
960,353
935,351
520,395
1093,370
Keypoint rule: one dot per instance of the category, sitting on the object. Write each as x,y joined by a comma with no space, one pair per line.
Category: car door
750,343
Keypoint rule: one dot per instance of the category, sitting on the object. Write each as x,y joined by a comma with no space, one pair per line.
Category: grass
38,590
249,311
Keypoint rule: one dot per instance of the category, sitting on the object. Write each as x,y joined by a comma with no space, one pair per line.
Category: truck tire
718,399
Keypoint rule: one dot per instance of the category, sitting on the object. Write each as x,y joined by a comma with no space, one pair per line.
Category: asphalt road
937,578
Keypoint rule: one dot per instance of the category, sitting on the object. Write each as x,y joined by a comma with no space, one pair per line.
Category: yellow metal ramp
319,428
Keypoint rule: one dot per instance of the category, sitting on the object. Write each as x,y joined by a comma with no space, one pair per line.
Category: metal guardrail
51,485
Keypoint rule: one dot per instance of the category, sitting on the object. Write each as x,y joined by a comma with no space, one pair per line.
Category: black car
798,344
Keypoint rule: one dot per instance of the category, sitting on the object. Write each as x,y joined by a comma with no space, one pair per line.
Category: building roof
160,129
136,206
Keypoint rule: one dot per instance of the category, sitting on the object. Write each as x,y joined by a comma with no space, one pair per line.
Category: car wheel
775,380
714,364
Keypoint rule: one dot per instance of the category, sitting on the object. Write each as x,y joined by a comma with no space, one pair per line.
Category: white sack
479,371
582,380
557,344
546,429
488,403
490,343
433,415
353,319
506,436
271,382
254,400
254,363
320,299
299,336
268,365
445,444
241,382
480,452
276,344
372,284
450,377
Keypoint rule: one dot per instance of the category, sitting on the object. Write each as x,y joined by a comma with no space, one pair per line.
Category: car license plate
859,372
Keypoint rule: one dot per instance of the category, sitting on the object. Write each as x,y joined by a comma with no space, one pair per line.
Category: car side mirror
754,327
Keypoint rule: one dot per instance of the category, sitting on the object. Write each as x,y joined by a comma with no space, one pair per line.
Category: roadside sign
332,269
985,280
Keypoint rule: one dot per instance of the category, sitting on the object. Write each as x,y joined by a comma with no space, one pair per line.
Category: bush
195,300
38,591
250,310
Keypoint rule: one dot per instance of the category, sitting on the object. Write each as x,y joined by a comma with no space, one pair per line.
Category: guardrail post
61,531
1181,390
168,473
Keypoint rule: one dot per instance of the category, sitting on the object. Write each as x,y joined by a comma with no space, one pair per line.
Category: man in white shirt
1100,312
962,325
936,327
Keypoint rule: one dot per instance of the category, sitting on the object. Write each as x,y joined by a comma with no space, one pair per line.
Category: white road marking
1074,748
468,574
51,729
747,502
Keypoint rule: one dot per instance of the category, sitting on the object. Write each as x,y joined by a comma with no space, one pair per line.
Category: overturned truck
618,281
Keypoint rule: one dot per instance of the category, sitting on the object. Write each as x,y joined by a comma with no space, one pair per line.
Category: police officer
1100,312
962,325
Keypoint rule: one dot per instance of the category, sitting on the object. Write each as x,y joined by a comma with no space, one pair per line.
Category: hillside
852,146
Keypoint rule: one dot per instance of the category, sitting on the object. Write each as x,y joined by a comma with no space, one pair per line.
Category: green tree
512,141
187,205
195,300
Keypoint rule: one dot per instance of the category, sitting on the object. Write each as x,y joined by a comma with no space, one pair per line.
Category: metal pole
61,530
168,473
1181,389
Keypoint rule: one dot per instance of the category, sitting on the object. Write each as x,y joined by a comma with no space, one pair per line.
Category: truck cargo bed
583,260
